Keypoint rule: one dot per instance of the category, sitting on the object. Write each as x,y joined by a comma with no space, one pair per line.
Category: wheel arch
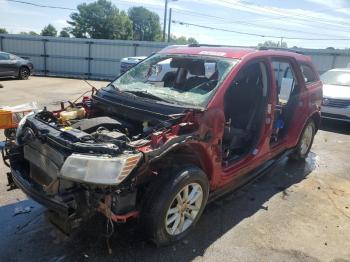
187,154
316,117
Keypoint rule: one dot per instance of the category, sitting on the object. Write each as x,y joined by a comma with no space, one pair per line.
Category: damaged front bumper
32,191
68,209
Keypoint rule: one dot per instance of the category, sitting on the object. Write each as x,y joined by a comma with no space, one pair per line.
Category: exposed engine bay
82,159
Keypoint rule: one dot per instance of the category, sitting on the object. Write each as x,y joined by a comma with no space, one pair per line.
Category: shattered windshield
178,79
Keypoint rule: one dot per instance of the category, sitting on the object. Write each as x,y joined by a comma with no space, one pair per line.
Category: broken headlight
102,170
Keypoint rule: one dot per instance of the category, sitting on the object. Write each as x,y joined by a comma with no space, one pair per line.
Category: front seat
197,69
241,107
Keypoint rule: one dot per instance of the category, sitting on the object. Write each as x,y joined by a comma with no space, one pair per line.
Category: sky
263,19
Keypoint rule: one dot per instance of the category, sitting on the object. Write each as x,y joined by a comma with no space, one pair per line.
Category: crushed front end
91,163
69,170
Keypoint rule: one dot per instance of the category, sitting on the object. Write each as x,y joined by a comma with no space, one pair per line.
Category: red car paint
213,119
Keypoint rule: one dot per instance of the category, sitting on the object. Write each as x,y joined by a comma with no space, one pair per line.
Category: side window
285,80
308,74
4,56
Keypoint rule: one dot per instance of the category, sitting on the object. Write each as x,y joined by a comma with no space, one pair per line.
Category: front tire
176,205
305,142
24,73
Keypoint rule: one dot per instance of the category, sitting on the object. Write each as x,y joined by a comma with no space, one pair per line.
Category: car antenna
93,89
91,85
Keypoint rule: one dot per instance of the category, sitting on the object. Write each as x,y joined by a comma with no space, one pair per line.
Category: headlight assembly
102,170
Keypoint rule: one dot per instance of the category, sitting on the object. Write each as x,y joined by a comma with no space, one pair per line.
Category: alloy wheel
306,139
184,209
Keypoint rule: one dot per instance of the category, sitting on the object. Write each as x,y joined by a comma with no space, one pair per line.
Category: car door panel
261,153
7,66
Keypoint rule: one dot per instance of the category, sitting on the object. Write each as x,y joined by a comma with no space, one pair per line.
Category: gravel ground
296,212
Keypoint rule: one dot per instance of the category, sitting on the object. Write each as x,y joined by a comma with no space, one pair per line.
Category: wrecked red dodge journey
157,149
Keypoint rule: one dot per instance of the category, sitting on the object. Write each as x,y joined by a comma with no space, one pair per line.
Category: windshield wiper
148,95
114,86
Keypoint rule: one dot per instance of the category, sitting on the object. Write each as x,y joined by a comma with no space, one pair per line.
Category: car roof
231,51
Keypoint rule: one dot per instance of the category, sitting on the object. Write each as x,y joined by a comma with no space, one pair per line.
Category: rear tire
23,73
175,205
305,142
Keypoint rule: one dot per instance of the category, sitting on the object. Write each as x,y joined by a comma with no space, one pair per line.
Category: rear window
308,73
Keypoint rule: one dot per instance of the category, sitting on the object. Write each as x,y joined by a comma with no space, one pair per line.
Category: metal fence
77,57
100,59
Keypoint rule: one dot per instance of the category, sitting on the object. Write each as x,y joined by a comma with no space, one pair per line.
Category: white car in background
336,94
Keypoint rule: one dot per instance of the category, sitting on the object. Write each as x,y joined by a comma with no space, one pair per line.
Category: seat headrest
195,67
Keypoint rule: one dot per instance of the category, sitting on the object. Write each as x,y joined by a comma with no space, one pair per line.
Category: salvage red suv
159,151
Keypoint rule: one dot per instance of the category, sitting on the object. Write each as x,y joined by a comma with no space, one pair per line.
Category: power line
248,23
44,6
253,34
304,17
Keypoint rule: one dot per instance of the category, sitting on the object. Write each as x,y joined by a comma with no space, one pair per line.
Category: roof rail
199,45
213,45
279,49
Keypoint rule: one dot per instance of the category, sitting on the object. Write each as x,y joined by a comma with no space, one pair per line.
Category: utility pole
165,13
169,24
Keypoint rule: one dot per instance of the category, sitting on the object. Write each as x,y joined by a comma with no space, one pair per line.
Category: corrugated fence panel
100,51
98,58
22,46
342,61
106,69
63,66
322,62
38,62
69,49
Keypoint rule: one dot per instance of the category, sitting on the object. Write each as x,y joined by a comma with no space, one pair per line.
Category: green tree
3,31
192,40
145,24
28,33
273,44
182,40
64,33
49,30
100,20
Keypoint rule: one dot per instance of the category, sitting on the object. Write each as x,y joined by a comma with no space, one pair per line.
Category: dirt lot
296,212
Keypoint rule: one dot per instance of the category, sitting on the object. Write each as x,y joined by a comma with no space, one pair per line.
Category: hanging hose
109,225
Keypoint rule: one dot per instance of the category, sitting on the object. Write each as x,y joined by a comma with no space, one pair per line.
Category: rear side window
285,79
308,73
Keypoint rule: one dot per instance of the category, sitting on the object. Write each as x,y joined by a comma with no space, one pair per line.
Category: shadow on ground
8,79
335,126
37,240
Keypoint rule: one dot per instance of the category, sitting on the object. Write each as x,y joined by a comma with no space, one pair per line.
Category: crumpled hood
336,91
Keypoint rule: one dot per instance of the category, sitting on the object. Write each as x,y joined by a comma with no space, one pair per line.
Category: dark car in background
129,62
14,66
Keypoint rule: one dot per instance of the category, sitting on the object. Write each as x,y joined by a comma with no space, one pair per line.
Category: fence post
1,43
89,58
334,55
45,56
135,48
